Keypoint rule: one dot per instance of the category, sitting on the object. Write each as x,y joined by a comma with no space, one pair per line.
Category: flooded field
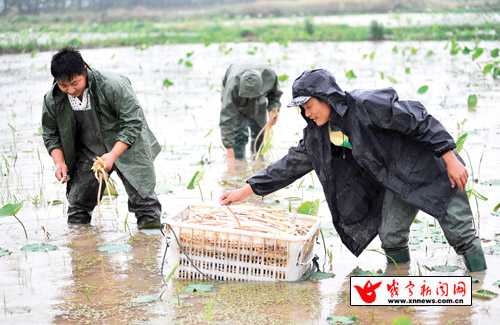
107,274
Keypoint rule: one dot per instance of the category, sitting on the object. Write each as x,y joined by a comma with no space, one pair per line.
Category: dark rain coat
235,108
120,119
396,144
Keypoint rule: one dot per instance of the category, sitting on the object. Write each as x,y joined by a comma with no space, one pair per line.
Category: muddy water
79,283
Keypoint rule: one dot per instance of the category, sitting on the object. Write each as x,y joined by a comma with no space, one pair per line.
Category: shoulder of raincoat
233,106
395,143
120,119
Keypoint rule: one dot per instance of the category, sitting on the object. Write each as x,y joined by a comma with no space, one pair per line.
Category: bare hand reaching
236,196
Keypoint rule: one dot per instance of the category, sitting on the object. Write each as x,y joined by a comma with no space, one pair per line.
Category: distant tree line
39,6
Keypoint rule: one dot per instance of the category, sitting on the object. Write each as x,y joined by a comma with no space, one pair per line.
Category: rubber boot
398,255
239,152
475,261
147,222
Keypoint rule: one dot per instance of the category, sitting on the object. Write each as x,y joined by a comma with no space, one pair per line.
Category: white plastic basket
240,255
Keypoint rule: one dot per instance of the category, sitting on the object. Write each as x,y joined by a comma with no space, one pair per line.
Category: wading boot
148,222
475,261
398,255
79,219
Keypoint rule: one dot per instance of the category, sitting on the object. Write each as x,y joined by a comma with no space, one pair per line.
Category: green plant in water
423,89
376,31
195,182
454,47
253,50
309,207
283,77
496,209
186,60
472,103
167,83
350,74
11,209
478,51
469,189
267,143
309,26
392,79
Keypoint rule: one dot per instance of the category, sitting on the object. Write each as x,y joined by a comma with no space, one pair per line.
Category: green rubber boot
239,152
398,255
475,261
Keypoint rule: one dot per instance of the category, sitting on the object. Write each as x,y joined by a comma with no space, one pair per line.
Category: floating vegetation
442,268
38,247
114,248
317,276
472,103
283,77
402,320
253,50
143,300
199,288
423,89
350,75
167,83
342,320
4,252
186,60
484,294
359,271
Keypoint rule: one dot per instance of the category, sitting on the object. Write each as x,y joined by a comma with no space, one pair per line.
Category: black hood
321,84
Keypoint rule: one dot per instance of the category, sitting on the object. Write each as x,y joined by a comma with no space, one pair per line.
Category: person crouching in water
88,114
250,98
379,160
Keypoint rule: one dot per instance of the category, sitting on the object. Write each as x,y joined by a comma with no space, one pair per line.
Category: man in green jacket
88,114
249,91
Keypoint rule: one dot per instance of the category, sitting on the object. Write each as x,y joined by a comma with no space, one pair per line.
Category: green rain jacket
236,108
120,119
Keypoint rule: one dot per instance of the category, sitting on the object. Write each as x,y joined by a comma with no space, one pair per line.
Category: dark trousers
242,137
457,225
82,188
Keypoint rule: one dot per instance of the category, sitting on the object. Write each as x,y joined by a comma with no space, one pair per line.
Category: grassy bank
26,36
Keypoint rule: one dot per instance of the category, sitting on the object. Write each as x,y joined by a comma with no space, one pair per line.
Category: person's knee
148,206
391,238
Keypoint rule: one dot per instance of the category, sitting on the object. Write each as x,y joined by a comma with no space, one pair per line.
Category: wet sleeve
274,96
50,132
229,117
411,118
283,172
129,111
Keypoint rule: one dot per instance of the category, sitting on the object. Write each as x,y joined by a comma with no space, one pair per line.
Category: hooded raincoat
396,145
120,118
252,102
